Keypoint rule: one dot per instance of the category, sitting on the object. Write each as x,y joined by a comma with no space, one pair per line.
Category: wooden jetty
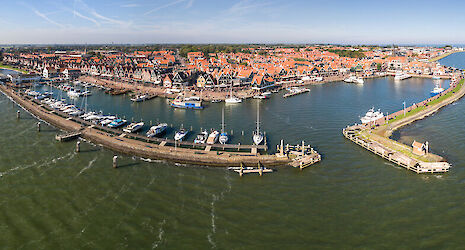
68,136
242,170
301,156
293,93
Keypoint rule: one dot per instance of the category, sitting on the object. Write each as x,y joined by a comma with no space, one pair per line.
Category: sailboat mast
258,117
222,121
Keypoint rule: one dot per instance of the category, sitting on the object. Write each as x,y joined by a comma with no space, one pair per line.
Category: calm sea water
55,198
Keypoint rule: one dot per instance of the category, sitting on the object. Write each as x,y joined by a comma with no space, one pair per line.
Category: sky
231,21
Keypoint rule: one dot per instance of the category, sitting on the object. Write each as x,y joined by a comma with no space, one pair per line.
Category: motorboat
354,79
181,134
201,138
133,127
139,98
187,103
117,123
372,116
156,130
213,137
401,76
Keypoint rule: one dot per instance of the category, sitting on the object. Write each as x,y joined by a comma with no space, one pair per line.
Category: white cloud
164,6
86,17
46,18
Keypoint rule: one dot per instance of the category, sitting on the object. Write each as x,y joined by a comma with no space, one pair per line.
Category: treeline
212,48
348,53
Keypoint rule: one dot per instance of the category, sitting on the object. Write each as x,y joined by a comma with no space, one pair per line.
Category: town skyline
232,22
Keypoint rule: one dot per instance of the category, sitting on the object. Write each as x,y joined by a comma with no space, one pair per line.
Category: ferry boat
187,103
133,127
354,79
156,130
213,137
117,123
201,138
401,76
437,90
372,116
181,134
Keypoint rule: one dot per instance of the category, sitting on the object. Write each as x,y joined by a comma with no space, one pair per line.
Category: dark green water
54,198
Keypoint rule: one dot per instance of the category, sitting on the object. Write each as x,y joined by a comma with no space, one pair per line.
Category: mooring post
18,114
242,132
282,147
303,148
260,171
38,126
115,158
78,146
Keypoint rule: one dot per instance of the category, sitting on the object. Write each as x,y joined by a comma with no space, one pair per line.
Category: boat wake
216,198
161,232
87,167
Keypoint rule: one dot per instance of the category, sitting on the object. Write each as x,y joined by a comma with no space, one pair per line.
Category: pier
222,155
375,136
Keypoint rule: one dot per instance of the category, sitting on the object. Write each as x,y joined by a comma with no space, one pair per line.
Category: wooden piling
115,158
18,114
38,126
78,146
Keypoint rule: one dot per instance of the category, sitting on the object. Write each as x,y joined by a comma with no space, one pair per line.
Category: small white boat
401,76
139,98
213,137
260,96
156,130
133,127
233,100
180,135
354,79
257,134
201,138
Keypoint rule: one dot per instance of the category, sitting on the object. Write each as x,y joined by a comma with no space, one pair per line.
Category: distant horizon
232,22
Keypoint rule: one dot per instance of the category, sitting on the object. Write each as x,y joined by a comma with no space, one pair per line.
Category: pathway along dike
156,148
375,136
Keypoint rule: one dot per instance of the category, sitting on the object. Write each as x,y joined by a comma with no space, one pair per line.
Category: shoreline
435,59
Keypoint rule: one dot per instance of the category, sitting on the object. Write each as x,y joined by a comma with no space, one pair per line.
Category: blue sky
241,21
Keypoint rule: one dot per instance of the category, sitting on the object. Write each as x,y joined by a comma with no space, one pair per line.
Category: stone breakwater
375,136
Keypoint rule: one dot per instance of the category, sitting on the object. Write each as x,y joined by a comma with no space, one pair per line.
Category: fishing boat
372,116
201,138
187,103
257,134
156,130
133,127
437,90
117,123
224,137
181,134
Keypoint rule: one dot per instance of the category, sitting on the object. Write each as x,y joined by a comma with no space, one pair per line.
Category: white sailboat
232,99
224,137
258,135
